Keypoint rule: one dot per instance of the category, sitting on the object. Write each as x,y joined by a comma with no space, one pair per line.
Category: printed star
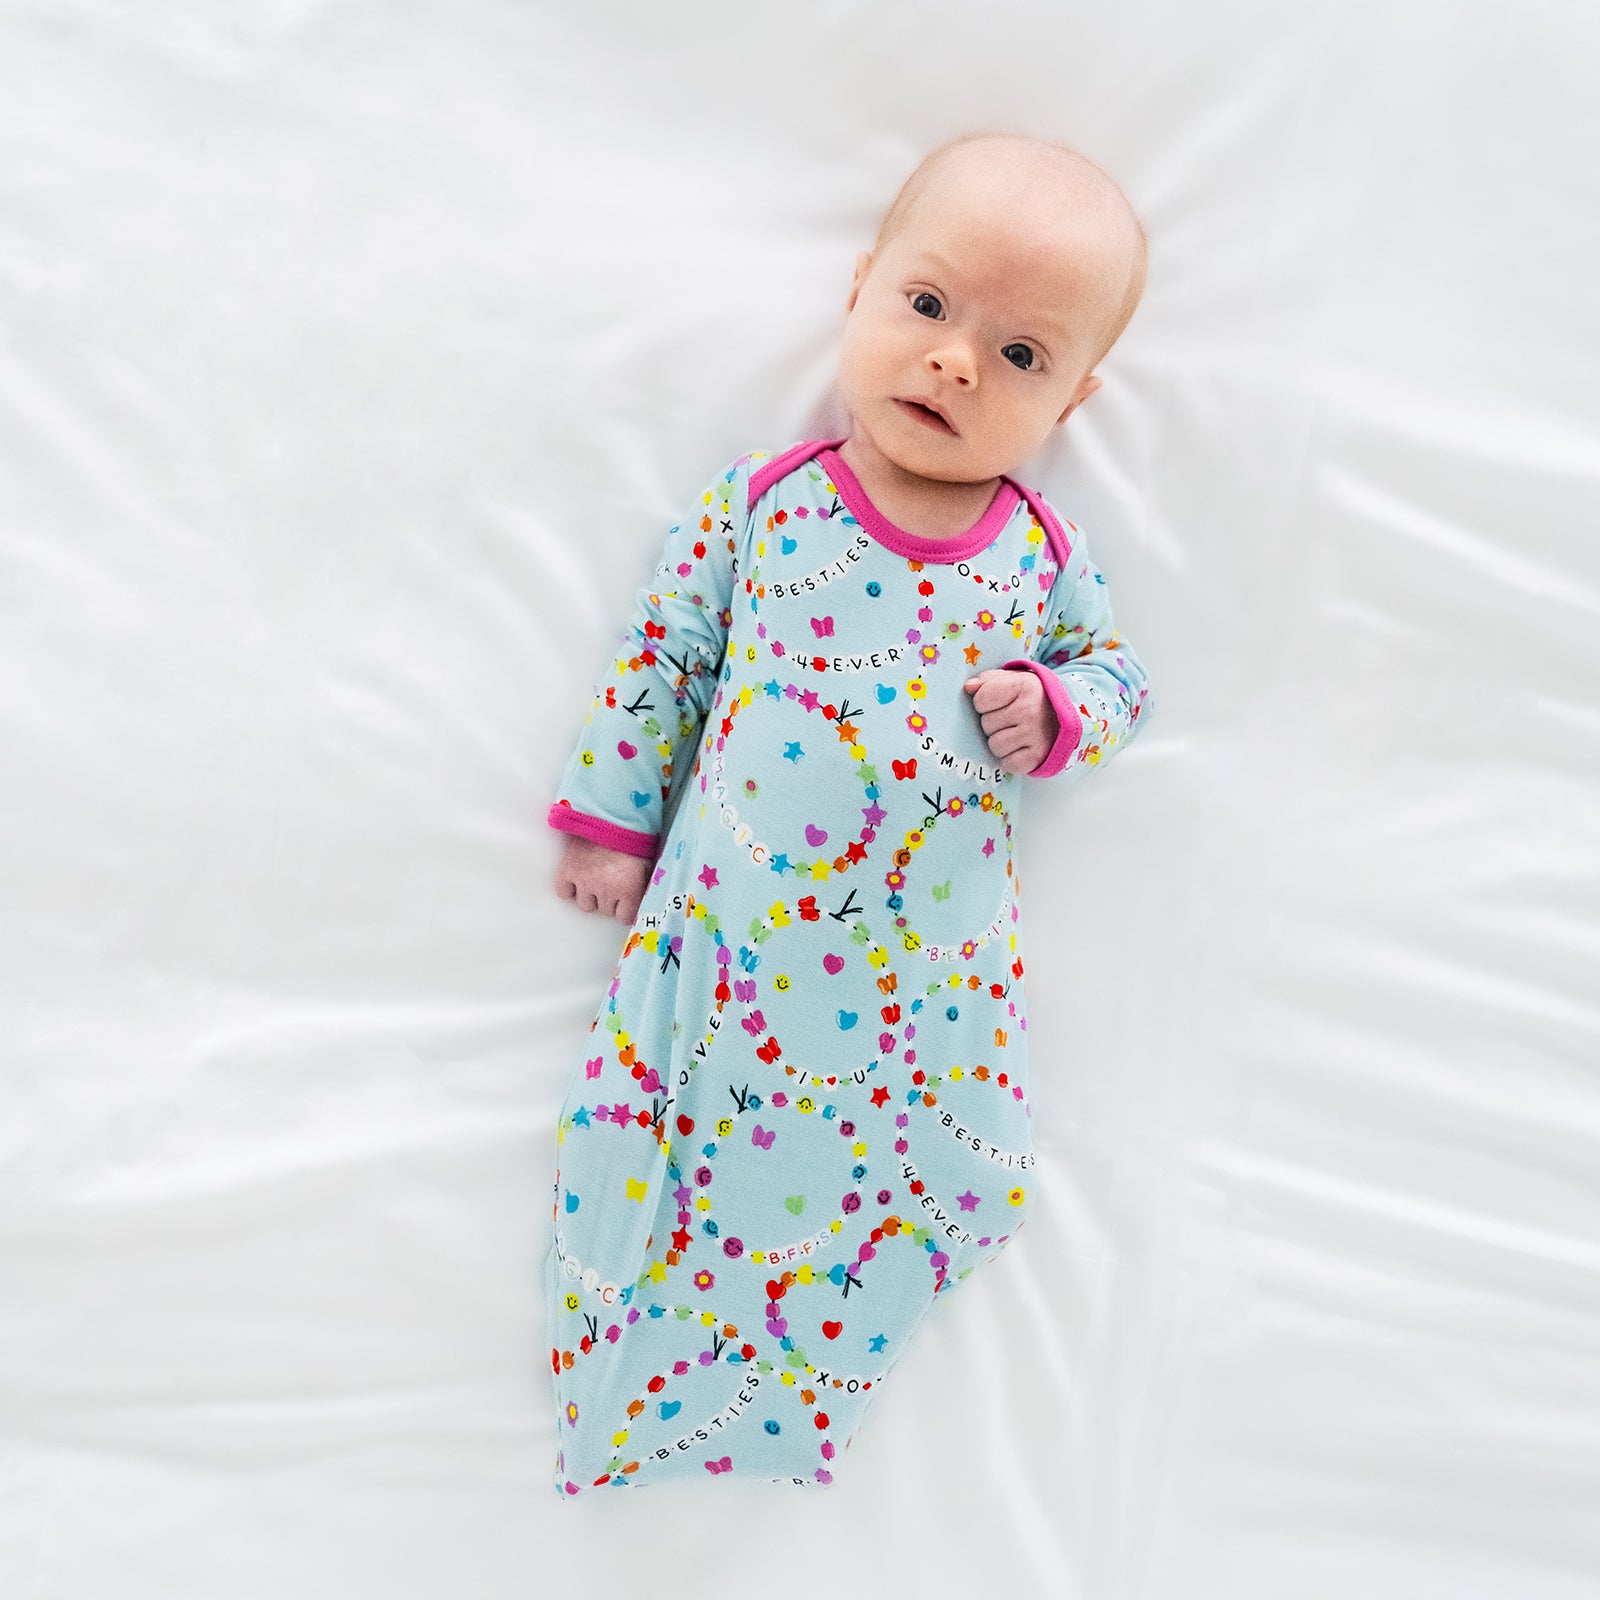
972,652
780,862
708,876
878,1341
848,732
969,1201
581,1116
658,1271
874,813
682,1193
773,688
792,750
869,776
879,1095
620,1113
680,1239
808,699
988,847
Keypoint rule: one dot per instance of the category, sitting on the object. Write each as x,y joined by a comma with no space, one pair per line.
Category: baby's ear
863,267
1082,393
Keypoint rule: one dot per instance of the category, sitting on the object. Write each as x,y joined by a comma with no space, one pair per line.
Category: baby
805,1116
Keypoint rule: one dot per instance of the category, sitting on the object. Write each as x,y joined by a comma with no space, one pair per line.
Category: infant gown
803,1118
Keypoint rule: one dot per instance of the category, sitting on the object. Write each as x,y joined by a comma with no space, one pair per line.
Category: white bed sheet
354,361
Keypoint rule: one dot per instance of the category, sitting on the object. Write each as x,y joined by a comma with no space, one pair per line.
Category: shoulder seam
1060,544
780,466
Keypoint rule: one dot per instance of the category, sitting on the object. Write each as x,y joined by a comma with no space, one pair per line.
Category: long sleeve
1096,682
651,705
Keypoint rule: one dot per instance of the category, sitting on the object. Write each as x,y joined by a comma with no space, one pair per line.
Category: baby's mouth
923,414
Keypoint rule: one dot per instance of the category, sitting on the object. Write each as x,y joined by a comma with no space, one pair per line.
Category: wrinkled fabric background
353,361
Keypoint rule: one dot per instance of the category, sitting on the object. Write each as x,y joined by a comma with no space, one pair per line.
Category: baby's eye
921,302
1019,355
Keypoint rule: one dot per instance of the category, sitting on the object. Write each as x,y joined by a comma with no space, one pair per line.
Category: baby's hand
608,881
1019,722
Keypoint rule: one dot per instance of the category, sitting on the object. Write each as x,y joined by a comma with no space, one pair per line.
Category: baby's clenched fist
611,882
1019,722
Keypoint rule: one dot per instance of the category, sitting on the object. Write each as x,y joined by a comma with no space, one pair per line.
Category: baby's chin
944,457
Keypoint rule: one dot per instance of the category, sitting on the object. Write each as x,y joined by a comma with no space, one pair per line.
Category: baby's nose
954,361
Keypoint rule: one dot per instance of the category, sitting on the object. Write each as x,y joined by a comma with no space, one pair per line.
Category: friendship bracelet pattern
771,1089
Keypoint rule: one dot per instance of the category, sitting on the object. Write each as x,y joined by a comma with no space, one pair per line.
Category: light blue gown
803,1115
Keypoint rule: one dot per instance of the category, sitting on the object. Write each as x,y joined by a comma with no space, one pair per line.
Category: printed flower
916,722
916,688
1017,1195
970,949
985,618
703,1279
957,806
894,879
572,1413
929,653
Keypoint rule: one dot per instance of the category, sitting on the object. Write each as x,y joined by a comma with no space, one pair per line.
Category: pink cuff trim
612,835
1067,714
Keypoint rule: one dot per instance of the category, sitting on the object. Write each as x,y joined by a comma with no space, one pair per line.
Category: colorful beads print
804,1120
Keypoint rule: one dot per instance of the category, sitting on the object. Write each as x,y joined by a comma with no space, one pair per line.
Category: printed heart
815,835
886,693
775,1290
795,1204
832,1330
832,964
685,1125
669,1409
572,1204
847,1020
626,750
789,545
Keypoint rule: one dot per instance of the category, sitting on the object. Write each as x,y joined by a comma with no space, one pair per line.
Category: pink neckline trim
918,546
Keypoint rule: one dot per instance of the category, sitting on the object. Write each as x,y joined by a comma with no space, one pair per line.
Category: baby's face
987,308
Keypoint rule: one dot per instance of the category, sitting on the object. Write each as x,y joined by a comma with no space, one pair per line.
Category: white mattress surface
353,362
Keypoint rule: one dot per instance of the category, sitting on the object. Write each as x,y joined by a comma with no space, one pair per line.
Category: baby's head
1004,271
